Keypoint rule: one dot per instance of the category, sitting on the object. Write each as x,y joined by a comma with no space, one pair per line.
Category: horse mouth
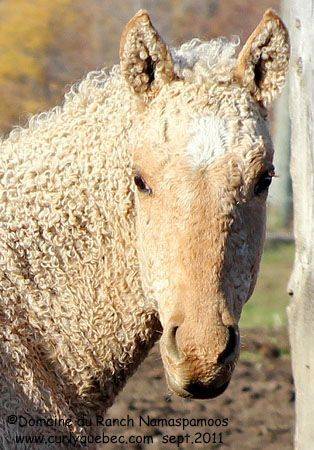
198,390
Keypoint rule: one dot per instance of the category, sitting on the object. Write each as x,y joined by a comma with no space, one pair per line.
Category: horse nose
226,356
231,349
202,391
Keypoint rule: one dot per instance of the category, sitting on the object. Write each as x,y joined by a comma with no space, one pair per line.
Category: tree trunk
301,286
280,199
280,194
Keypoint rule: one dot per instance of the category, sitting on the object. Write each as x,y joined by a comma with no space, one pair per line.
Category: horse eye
264,181
142,185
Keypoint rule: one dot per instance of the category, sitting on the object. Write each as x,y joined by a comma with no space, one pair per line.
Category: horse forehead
209,138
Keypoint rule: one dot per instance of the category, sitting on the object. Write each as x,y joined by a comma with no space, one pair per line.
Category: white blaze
208,140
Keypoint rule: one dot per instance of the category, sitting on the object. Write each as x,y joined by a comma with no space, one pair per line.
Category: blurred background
45,47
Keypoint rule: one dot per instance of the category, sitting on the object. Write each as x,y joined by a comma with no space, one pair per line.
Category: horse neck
87,318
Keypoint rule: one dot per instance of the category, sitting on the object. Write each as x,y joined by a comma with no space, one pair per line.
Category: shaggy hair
201,61
74,321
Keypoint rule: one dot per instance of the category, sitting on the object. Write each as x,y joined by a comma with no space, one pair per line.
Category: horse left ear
144,58
263,62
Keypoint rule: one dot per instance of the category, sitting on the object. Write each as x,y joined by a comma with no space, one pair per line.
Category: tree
281,195
301,286
281,190
31,48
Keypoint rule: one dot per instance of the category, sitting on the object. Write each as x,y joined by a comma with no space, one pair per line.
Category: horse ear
263,62
144,58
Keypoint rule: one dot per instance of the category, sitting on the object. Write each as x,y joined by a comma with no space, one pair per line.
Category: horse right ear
263,62
145,60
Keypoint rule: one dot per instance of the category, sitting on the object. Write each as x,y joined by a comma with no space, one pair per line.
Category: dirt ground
255,412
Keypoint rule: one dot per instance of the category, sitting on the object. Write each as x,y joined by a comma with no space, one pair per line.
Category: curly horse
135,210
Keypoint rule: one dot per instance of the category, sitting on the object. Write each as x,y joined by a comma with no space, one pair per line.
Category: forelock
200,61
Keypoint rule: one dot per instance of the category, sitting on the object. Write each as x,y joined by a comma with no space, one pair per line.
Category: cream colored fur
74,319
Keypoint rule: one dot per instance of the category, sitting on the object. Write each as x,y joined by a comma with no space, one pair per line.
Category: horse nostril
231,347
172,345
